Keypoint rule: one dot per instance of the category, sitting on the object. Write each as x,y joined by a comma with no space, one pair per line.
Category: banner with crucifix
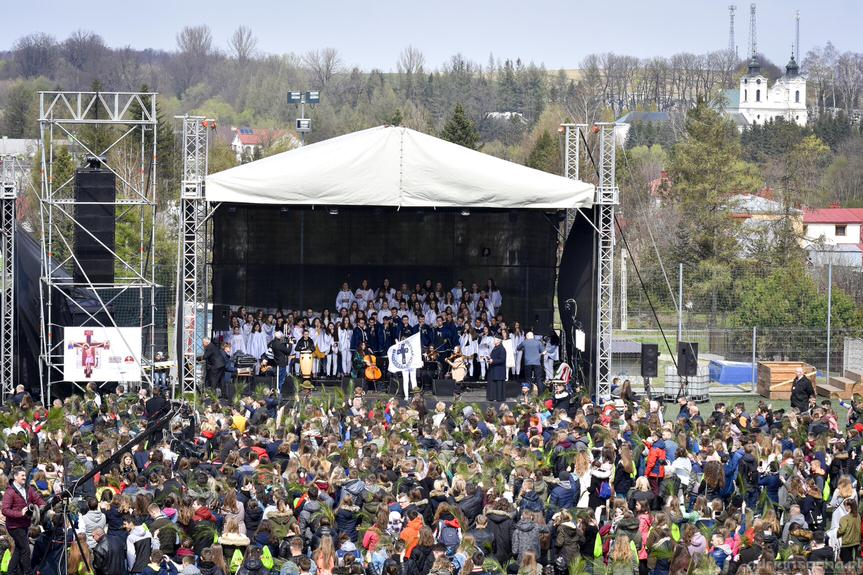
406,354
102,354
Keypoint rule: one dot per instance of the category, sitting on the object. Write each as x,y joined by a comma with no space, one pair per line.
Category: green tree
706,171
789,297
20,117
460,129
545,154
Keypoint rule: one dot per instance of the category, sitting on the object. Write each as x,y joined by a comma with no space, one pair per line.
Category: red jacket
653,468
14,506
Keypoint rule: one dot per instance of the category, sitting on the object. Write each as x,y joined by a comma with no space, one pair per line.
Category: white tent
394,166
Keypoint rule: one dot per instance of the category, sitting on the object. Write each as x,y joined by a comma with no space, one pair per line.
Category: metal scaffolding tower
606,200
116,131
8,197
192,268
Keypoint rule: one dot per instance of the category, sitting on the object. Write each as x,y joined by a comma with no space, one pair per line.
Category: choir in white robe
345,349
344,299
257,346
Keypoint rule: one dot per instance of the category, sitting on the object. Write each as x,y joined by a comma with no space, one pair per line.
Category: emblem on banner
402,355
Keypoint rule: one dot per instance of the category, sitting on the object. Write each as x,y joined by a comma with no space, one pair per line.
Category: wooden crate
776,377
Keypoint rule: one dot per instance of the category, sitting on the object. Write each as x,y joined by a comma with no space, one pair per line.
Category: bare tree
849,78
820,65
411,61
35,55
243,44
195,44
324,64
83,49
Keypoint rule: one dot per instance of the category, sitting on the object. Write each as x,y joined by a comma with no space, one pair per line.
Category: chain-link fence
746,315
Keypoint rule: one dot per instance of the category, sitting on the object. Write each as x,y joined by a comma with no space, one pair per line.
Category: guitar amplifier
244,360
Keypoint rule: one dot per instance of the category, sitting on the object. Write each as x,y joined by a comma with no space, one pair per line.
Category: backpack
604,490
449,536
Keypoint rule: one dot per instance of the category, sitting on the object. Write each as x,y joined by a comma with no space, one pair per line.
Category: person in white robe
345,332
517,337
330,347
486,343
363,296
344,298
237,341
257,345
470,347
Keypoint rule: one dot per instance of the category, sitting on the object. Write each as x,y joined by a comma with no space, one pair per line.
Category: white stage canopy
394,166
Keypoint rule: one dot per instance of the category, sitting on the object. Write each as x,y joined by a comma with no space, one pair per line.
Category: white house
247,140
758,103
834,234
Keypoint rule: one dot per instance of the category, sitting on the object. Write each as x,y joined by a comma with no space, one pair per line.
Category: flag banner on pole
405,354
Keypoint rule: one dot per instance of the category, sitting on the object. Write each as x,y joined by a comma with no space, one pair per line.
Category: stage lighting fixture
304,125
313,97
334,211
465,212
295,97
95,162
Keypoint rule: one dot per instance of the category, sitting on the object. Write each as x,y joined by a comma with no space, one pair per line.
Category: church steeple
754,66
792,69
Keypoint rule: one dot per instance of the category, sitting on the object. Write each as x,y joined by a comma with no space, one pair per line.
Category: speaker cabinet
95,194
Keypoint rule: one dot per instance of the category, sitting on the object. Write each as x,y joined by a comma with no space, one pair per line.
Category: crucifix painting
90,351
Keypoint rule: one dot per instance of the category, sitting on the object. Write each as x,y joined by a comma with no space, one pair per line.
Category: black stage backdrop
297,257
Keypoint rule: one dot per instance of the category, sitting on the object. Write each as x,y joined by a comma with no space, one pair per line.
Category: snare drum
306,363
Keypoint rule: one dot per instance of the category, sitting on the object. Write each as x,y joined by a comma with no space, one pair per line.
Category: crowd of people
557,485
457,326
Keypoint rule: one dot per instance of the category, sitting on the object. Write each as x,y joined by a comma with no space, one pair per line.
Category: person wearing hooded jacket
252,564
471,505
411,533
525,536
139,545
91,520
347,518
500,523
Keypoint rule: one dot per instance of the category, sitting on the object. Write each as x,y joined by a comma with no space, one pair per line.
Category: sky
371,34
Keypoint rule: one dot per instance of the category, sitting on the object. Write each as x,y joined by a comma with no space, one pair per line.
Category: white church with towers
757,102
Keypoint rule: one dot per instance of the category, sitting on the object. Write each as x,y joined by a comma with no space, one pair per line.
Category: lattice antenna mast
753,33
732,45
797,37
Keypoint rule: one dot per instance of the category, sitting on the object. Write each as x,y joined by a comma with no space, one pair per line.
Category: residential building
834,234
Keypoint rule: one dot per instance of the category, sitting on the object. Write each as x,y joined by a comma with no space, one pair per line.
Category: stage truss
8,199
192,311
607,197
117,130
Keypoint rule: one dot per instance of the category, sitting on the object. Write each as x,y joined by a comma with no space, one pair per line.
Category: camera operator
20,502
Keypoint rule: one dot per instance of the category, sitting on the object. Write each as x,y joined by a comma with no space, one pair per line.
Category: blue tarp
730,372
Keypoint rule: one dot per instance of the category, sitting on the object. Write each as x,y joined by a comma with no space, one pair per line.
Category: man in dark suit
281,354
211,355
495,387
215,364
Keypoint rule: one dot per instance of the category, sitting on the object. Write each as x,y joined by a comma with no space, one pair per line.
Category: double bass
372,371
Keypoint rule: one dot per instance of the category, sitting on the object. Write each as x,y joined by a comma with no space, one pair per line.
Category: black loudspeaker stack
687,358
221,317
649,360
95,194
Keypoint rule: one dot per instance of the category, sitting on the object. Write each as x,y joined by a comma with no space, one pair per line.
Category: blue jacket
532,351
563,496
